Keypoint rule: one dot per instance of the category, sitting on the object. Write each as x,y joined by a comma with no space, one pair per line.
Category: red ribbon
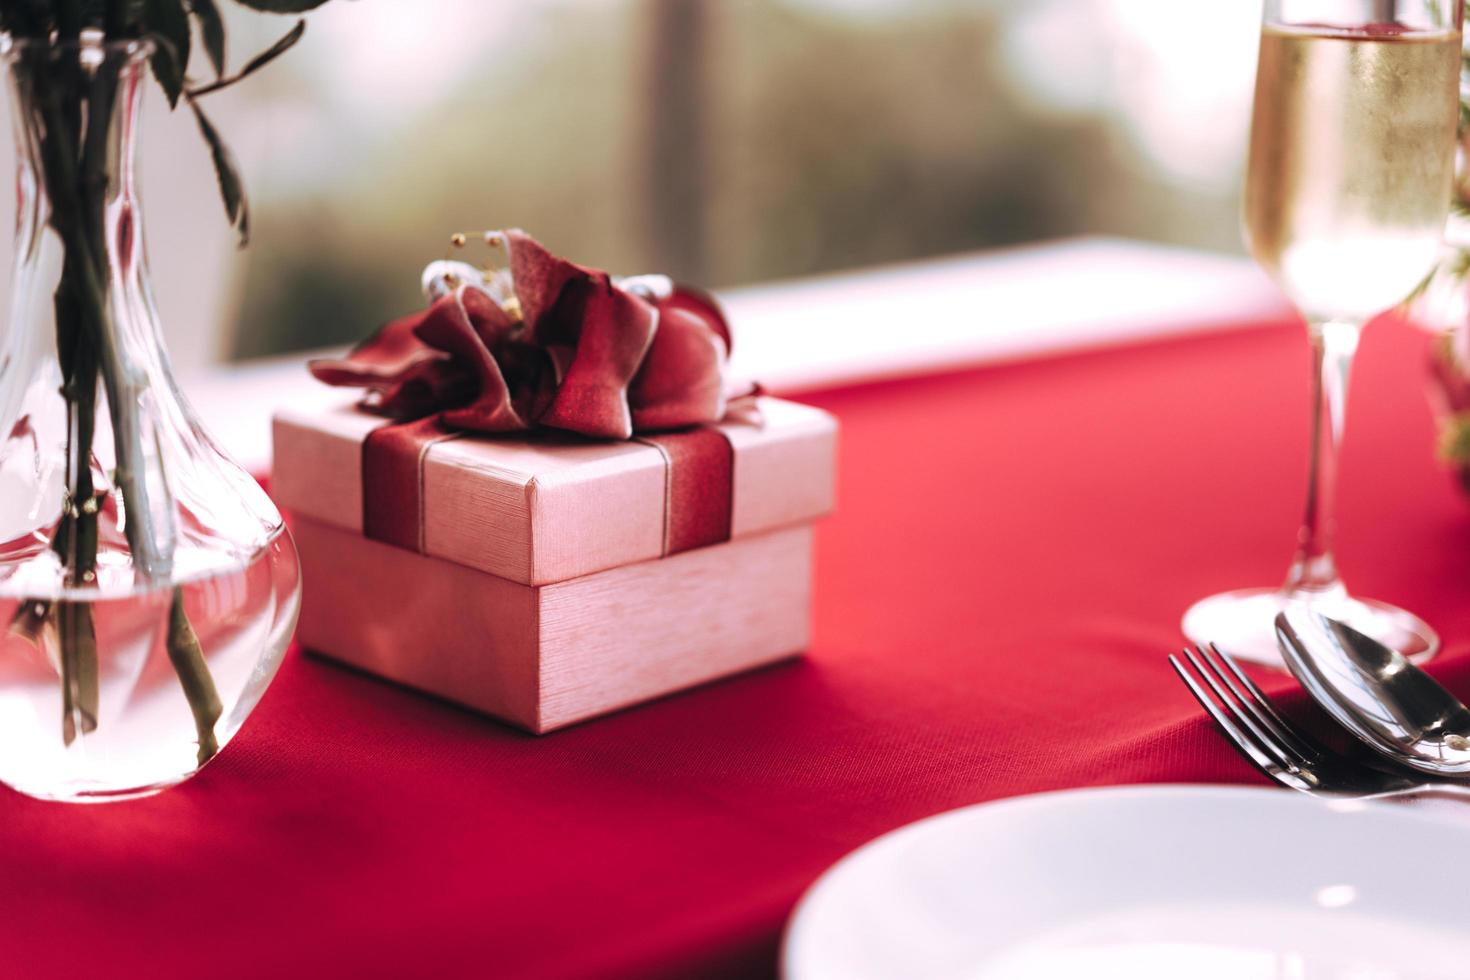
393,481
698,499
701,487
578,350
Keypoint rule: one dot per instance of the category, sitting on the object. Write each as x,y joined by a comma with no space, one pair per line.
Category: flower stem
74,156
187,657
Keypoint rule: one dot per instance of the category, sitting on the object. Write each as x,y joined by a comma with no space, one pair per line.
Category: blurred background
723,142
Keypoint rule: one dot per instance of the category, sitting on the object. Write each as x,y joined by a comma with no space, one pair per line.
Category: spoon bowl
1376,693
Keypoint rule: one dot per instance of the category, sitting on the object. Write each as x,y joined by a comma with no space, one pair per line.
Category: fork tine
1260,705
1243,744
1273,746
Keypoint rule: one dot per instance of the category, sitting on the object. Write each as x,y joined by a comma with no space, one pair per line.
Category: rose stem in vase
88,348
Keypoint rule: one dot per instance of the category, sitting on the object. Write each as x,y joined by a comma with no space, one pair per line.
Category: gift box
549,578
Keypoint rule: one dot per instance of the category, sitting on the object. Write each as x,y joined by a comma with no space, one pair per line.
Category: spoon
1376,693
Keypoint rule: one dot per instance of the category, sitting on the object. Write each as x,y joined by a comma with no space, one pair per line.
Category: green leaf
166,21
26,18
68,18
231,187
212,32
1454,438
274,51
255,64
282,6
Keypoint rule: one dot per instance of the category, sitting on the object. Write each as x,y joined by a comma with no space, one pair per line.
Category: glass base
1242,623
90,794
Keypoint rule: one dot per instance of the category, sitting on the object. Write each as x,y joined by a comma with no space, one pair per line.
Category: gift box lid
549,507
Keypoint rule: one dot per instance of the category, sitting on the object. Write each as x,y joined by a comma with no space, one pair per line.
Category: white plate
1169,881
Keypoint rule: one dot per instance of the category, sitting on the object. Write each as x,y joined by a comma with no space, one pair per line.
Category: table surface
995,597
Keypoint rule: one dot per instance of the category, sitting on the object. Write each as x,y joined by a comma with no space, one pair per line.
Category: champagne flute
1347,191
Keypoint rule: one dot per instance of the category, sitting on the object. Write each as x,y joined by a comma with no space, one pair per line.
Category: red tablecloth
994,603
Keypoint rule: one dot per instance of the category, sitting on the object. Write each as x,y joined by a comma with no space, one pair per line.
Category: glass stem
1334,343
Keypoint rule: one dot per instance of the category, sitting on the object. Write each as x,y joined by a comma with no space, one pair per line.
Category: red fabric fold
581,353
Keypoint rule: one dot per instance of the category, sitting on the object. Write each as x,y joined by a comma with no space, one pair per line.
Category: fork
1282,750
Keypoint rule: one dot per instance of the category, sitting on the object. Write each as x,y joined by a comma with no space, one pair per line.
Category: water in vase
132,728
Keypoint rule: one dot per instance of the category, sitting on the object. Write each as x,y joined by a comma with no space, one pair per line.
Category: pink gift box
547,580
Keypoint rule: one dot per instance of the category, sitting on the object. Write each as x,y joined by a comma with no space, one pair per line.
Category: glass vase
148,586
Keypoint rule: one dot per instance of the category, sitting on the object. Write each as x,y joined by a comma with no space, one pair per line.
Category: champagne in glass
1347,191
1351,163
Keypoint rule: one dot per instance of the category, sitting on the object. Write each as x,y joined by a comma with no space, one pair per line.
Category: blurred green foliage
817,142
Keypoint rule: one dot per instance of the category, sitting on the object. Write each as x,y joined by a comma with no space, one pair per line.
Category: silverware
1376,693
1282,750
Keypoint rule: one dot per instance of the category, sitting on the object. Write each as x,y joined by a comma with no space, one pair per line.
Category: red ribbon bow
567,347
